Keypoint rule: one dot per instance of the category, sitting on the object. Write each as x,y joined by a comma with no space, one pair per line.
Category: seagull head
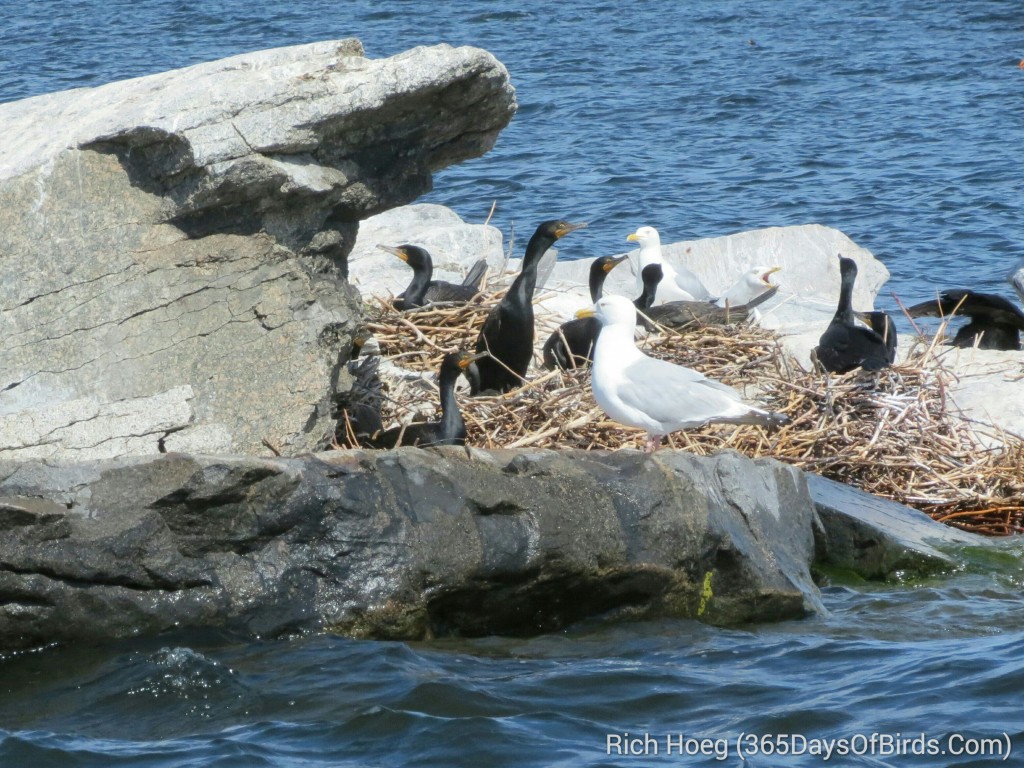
612,310
1016,278
759,275
646,236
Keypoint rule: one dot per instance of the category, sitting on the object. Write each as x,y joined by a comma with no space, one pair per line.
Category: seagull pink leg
651,443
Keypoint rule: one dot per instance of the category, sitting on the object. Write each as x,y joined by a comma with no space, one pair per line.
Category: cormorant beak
587,312
766,275
396,251
864,317
614,263
566,227
467,361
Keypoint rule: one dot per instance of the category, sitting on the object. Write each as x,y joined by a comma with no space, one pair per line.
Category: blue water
900,123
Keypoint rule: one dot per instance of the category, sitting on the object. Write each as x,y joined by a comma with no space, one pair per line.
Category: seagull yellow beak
766,275
632,237
587,312
396,251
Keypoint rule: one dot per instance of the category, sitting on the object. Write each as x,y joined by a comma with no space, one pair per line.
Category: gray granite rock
877,538
173,248
407,544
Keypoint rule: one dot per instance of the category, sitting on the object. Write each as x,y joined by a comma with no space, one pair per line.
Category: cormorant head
558,228
413,255
606,264
463,362
847,268
359,340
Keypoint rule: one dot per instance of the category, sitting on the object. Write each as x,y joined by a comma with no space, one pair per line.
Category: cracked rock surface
174,248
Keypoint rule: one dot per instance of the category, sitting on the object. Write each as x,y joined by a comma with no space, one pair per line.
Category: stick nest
893,434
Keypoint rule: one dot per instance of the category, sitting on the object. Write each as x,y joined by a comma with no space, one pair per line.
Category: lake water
899,123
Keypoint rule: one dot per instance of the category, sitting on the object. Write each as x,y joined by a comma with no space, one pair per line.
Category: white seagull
676,284
751,284
661,397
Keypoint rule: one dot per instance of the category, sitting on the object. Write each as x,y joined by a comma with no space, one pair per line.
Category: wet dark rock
400,544
877,538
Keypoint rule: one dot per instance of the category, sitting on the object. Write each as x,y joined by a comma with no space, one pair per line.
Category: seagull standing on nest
656,395
677,284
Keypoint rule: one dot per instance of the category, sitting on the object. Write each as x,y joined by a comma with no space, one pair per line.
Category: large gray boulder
173,248
407,544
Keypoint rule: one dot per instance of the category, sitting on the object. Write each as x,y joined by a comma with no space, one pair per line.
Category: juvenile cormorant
508,332
677,284
359,340
451,429
422,290
996,320
845,345
657,395
679,314
579,334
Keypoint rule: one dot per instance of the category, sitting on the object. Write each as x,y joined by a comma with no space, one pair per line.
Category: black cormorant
451,429
679,314
996,320
883,325
422,290
580,334
845,345
507,333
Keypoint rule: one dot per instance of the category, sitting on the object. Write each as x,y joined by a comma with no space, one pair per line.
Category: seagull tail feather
757,417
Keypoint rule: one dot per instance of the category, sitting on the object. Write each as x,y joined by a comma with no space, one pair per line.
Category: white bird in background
676,284
751,285
658,396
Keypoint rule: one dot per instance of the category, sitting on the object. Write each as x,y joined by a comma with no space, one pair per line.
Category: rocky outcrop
875,538
410,543
173,248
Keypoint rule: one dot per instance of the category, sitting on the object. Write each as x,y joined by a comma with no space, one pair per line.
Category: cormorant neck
526,281
597,278
646,298
844,311
417,290
451,418
536,248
